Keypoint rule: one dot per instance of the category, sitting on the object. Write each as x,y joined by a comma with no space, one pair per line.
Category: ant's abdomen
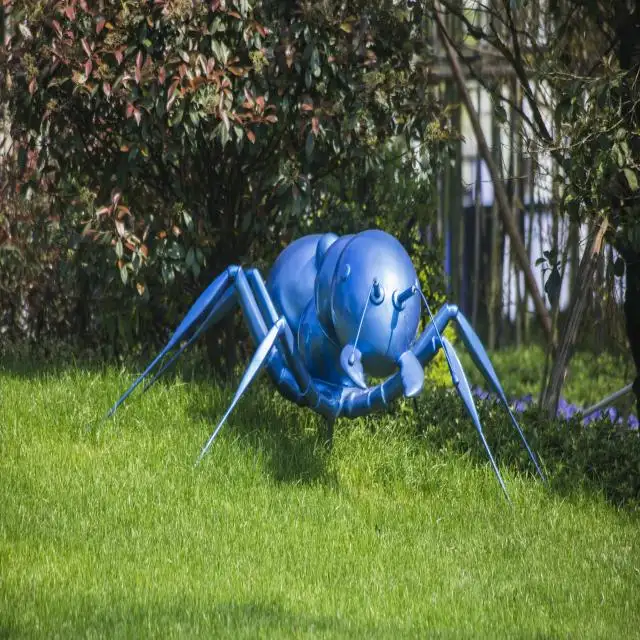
292,278
327,260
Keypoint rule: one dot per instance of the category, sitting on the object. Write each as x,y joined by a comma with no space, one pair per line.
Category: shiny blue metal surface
387,331
292,278
335,311
324,283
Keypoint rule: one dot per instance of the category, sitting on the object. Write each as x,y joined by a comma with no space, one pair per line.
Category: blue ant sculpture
334,309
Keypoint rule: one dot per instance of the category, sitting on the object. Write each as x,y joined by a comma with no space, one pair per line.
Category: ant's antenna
374,285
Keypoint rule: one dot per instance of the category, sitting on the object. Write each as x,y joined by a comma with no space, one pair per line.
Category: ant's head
374,271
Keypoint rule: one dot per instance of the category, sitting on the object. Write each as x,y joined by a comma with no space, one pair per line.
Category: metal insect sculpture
333,311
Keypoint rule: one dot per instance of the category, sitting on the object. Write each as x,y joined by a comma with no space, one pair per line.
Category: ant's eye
400,297
377,292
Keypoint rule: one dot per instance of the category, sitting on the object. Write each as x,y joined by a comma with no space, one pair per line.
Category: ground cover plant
400,529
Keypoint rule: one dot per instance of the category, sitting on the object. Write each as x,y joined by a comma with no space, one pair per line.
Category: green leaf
500,113
176,251
222,132
314,63
553,284
124,274
618,267
309,145
246,220
168,275
188,220
632,179
220,51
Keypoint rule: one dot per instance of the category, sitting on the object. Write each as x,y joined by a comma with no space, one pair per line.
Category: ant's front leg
284,363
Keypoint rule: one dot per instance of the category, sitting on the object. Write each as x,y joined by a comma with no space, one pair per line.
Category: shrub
603,456
176,138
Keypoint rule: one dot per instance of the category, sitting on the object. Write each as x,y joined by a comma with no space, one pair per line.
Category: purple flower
520,406
597,415
566,409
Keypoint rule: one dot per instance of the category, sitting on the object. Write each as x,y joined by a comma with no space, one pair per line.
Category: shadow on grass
602,459
30,365
292,439
273,619
190,618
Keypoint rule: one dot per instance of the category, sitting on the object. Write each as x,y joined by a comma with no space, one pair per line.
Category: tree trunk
500,194
584,286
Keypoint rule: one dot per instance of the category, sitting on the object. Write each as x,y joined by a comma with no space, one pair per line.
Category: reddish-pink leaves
171,94
172,88
119,227
237,71
122,212
138,67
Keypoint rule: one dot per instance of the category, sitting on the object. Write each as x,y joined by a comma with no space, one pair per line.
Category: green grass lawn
111,531
590,378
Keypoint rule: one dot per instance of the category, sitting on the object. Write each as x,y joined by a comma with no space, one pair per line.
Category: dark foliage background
152,144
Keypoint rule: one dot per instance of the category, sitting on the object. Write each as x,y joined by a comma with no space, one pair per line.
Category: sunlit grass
590,377
112,531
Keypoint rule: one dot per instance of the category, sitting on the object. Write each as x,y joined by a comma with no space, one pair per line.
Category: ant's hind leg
196,317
